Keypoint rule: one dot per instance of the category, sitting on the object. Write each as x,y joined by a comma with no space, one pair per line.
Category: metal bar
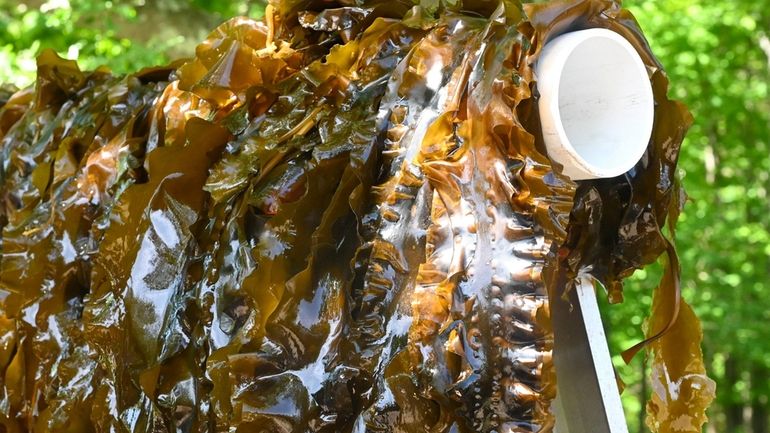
588,400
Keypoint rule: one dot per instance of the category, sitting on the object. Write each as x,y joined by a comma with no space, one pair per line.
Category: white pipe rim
600,124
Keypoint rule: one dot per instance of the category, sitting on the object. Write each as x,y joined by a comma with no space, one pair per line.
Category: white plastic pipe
596,104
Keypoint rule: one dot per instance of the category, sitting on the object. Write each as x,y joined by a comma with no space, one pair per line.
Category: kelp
339,219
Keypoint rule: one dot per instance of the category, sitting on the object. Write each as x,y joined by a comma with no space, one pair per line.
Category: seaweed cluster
339,219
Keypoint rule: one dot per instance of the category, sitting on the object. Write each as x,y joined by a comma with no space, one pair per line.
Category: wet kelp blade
338,219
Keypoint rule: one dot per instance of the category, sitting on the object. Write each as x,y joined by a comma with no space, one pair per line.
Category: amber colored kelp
341,219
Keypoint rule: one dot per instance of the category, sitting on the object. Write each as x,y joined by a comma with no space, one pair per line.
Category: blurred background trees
717,55
123,34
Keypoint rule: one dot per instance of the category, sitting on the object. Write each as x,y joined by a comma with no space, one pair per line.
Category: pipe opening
596,103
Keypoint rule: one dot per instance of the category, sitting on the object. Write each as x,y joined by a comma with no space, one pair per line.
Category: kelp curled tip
339,219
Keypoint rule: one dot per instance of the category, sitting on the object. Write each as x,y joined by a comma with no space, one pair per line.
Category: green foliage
717,55
112,33
76,32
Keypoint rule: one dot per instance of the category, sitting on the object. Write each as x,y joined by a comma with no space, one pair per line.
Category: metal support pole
588,399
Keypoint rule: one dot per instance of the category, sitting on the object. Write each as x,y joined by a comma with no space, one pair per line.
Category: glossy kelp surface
341,219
